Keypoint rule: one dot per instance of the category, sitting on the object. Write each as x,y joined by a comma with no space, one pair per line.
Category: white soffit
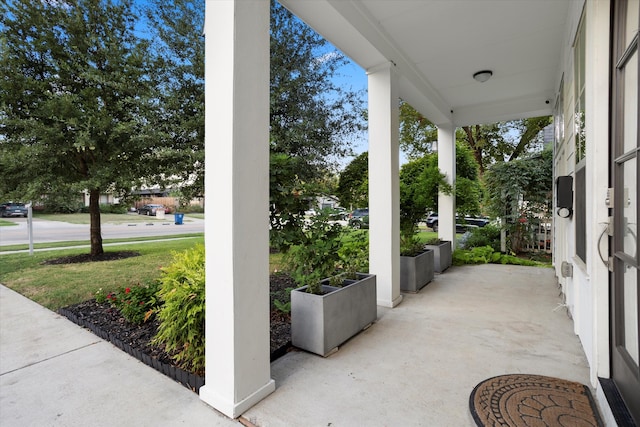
437,45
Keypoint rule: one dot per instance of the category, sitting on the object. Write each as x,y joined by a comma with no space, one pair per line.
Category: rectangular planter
441,256
320,323
416,271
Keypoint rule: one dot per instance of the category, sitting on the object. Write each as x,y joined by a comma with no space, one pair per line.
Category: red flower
126,291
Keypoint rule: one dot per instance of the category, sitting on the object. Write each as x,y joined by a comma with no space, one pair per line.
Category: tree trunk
473,143
96,231
533,128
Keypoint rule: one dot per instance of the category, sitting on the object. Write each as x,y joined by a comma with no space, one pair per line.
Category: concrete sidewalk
416,366
55,373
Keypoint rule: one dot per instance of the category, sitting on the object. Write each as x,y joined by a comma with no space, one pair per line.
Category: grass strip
53,245
56,286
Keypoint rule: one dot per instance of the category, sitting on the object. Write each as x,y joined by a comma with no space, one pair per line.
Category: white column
447,165
238,372
384,184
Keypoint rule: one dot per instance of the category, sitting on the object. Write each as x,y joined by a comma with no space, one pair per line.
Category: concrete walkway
54,373
416,366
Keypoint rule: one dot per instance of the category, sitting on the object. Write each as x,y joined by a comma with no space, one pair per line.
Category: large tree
505,141
313,120
492,143
74,94
420,183
175,32
312,117
353,183
418,136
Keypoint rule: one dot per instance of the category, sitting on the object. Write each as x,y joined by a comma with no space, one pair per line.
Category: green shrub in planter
354,254
410,245
316,257
182,316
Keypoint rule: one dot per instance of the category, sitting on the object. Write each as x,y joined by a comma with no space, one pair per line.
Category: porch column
447,165
384,183
238,373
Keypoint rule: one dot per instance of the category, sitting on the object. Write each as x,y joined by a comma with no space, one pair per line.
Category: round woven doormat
532,401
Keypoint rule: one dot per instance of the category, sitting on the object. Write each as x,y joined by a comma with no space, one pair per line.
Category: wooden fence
168,202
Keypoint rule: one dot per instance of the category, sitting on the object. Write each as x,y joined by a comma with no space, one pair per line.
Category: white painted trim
384,183
597,143
237,177
447,202
228,406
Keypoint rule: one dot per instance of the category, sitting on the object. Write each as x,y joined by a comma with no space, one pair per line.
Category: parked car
359,218
13,209
462,224
338,217
150,209
362,222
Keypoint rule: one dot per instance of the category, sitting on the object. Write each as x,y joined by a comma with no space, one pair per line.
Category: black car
150,209
13,209
359,218
462,224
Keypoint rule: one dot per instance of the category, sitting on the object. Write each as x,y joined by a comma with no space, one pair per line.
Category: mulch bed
105,256
108,323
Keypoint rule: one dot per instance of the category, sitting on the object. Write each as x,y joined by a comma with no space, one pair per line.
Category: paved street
54,231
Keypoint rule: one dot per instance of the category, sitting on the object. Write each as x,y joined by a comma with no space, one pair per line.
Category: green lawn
56,286
5,223
23,247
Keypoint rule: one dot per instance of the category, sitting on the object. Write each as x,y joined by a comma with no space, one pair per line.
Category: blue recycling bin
179,217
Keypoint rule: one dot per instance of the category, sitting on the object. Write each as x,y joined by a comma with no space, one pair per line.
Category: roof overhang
437,46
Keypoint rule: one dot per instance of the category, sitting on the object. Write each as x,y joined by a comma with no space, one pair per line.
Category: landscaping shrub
489,235
61,205
486,254
182,316
190,209
136,303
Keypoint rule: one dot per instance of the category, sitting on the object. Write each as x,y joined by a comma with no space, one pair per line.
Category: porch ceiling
437,46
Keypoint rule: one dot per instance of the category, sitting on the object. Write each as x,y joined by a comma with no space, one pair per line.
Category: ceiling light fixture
483,76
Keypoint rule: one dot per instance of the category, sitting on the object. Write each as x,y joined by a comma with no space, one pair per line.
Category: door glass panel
631,103
631,313
630,208
632,20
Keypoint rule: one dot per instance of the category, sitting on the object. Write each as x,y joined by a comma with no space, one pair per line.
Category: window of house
558,117
580,143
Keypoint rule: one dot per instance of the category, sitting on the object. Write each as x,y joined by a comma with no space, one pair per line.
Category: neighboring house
326,202
105,199
459,63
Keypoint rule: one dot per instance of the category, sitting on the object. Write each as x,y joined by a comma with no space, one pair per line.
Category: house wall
586,293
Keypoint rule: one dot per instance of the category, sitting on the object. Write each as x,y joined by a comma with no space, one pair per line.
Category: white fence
540,236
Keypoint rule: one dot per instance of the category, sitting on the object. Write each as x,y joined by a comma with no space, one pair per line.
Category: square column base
390,304
234,409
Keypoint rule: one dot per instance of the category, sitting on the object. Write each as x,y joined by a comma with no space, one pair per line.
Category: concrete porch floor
416,366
